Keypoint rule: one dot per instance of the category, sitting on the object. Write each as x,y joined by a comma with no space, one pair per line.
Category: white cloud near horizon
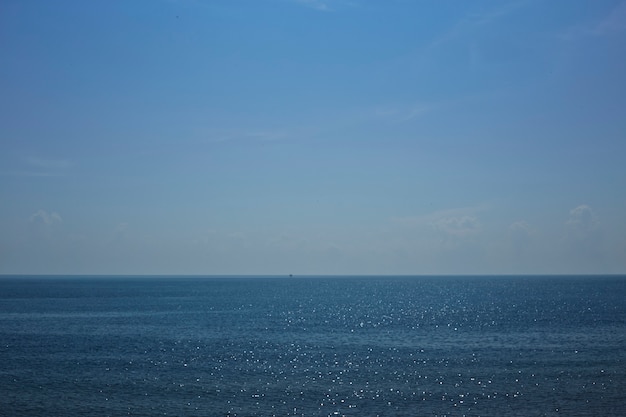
583,218
584,241
439,215
458,233
44,227
458,226
583,229
521,226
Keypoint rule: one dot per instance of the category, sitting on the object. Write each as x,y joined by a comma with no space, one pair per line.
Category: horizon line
489,275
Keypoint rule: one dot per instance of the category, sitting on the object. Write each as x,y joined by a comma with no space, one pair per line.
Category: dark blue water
422,346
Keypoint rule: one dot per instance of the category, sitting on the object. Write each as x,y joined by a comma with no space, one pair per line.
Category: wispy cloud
473,21
47,163
31,174
402,112
254,135
465,37
612,23
32,166
324,5
320,5
492,15
406,113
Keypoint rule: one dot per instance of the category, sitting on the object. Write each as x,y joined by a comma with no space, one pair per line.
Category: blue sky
312,137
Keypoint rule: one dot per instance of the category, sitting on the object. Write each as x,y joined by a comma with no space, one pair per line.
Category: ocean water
313,346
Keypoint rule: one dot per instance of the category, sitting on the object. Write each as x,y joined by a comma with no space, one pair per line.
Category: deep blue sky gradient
312,137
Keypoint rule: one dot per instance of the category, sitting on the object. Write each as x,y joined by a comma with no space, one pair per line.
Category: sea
313,346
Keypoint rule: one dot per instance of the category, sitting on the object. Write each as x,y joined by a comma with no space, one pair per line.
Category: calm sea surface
376,346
